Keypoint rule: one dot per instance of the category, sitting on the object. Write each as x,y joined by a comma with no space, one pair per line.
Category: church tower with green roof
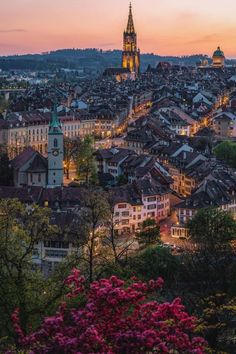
55,151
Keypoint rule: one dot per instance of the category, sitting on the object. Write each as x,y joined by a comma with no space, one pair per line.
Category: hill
84,58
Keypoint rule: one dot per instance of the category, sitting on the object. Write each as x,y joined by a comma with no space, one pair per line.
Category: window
56,253
39,177
56,244
152,206
121,206
55,143
151,199
35,252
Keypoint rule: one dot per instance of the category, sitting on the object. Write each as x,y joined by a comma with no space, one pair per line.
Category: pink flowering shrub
114,319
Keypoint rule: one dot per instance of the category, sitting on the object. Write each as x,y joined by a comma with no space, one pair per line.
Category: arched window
55,143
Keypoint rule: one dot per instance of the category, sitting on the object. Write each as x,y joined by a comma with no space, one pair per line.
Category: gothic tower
55,152
131,55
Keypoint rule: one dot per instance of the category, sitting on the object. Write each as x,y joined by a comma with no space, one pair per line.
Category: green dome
218,53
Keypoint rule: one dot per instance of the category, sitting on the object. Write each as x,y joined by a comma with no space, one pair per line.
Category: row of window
56,244
139,209
56,253
44,131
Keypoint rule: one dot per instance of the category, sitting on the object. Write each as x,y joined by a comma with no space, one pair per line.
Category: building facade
131,54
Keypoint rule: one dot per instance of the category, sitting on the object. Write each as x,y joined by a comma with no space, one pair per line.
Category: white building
137,202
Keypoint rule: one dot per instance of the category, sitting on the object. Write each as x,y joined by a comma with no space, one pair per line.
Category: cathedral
131,55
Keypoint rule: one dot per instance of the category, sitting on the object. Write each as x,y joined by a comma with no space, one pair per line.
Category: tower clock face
55,152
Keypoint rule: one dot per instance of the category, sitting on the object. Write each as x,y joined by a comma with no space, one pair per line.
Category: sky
165,27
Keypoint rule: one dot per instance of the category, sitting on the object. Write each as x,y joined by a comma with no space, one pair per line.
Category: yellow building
131,55
218,58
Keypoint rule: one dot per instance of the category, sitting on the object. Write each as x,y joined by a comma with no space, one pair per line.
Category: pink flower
114,319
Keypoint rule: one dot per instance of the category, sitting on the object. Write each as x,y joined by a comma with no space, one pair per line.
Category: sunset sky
165,27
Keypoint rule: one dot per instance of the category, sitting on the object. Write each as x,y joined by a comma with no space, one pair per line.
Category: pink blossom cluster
114,318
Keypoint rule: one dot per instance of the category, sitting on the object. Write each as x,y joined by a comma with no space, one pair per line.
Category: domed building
218,58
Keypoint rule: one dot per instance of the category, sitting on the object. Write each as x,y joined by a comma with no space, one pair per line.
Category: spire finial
130,25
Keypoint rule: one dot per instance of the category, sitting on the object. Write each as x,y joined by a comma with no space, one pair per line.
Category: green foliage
217,315
212,227
121,180
86,163
154,262
149,233
148,264
21,283
3,105
6,173
226,151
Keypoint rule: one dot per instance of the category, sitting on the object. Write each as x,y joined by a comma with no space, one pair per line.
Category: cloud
207,38
12,30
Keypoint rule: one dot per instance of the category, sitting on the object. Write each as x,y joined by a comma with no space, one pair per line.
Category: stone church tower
55,152
131,55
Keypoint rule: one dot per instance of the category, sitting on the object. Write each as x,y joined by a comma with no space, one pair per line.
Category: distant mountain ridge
87,58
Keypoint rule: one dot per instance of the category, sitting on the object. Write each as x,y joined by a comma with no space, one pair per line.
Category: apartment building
136,202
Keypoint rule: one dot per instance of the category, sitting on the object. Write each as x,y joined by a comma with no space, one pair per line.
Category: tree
86,163
226,151
117,246
3,105
217,316
149,233
153,262
121,180
116,318
207,267
95,214
21,282
6,173
71,150
147,264
212,228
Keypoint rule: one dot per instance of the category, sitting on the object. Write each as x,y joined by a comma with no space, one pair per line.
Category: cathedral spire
130,25
130,55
